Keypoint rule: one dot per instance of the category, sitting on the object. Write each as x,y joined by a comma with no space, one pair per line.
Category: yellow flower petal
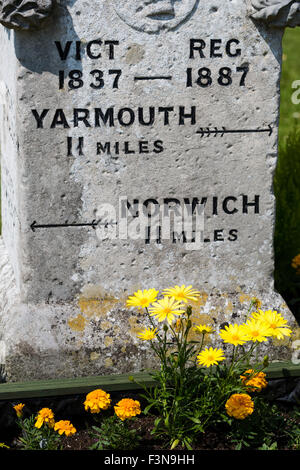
166,309
182,293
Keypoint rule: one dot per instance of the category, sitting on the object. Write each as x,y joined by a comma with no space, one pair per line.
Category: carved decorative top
146,15
24,14
152,16
277,13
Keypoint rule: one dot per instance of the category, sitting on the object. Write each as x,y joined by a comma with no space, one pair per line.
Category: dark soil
82,440
211,440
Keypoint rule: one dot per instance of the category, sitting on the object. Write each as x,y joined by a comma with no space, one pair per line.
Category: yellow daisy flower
166,309
148,334
275,321
142,298
210,356
182,293
203,329
256,330
233,334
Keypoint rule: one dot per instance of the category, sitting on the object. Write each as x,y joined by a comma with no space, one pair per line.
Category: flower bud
266,361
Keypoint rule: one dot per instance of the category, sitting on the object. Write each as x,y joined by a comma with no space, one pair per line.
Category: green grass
289,112
287,177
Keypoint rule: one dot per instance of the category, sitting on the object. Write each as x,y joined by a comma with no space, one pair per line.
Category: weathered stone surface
118,109
24,14
277,13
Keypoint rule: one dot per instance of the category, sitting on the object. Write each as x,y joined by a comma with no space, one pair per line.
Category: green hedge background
287,177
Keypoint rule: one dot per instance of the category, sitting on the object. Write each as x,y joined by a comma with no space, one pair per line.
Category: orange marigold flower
254,381
296,263
64,427
239,405
127,408
45,416
97,400
19,409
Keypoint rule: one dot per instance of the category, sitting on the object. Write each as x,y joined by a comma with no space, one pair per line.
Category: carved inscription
203,72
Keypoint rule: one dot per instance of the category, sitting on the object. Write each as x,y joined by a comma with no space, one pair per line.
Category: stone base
96,334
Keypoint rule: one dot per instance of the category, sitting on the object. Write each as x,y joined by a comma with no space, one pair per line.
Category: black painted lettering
89,49
127,207
215,45
244,70
79,146
183,115
117,148
40,118
63,52
247,204
127,149
179,237
59,120
166,111
82,115
107,117
103,148
215,205
147,210
78,50
151,117
131,116
193,204
111,48
225,205
197,45
218,235
143,146
233,234
171,203
158,146
229,51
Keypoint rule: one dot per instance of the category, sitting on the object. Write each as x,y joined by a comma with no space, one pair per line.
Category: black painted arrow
92,224
215,131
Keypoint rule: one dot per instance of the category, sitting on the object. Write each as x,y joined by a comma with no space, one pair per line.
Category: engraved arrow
92,224
215,131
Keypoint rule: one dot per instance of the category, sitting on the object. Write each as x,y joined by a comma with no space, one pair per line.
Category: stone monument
138,147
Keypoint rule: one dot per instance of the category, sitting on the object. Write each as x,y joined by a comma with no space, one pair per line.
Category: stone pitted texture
277,13
24,14
114,104
98,335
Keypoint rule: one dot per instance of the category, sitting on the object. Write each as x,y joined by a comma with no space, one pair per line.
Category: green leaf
196,420
175,444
